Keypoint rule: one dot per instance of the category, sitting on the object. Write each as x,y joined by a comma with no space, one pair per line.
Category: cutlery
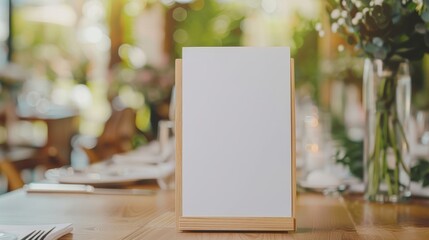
37,235
81,188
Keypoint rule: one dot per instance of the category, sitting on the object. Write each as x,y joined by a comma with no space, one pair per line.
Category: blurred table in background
61,126
153,217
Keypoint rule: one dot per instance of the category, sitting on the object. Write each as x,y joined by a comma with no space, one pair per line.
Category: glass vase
387,97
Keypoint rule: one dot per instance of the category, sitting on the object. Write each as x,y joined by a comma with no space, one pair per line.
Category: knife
81,188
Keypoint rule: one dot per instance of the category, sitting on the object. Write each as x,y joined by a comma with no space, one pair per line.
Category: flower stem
389,137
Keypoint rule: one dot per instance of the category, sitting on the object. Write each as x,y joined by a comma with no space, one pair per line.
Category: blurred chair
13,177
20,157
116,137
54,153
16,156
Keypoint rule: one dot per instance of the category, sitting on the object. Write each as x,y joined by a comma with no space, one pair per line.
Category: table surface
152,217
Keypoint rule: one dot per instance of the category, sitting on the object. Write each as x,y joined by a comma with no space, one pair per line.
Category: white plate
319,187
111,173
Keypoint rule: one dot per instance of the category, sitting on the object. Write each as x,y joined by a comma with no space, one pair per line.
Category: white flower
359,15
358,4
378,2
335,27
335,14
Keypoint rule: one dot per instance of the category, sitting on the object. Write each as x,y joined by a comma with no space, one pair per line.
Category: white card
236,132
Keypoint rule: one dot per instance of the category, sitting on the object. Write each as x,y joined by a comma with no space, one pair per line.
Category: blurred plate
110,173
320,187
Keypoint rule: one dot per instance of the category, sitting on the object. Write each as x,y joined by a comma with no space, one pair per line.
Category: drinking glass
422,127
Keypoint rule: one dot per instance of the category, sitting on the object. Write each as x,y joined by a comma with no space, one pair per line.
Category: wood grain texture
236,223
178,135
152,217
390,221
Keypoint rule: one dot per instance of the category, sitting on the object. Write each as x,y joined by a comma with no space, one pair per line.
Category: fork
37,235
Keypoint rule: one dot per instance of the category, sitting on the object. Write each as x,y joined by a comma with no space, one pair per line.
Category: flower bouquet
389,33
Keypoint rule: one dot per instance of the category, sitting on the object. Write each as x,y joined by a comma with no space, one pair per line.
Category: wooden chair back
116,137
12,175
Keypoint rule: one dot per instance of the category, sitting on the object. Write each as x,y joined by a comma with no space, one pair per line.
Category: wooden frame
229,223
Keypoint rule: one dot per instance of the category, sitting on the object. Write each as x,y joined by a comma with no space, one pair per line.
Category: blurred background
81,80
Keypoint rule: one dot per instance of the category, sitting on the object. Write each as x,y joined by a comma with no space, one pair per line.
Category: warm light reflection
312,147
312,121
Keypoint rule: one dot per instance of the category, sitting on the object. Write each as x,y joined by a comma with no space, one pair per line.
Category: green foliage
390,30
212,24
306,54
41,46
420,172
352,157
138,140
353,150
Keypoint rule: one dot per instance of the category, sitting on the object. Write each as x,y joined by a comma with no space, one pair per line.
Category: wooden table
152,217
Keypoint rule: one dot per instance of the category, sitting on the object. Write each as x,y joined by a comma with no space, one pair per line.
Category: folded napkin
23,230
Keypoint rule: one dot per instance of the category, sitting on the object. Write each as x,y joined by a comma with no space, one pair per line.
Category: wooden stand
184,223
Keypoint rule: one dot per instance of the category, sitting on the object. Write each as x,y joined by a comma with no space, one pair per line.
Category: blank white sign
236,139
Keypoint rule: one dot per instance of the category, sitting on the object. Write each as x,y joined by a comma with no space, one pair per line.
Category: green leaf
420,172
415,173
425,182
411,6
